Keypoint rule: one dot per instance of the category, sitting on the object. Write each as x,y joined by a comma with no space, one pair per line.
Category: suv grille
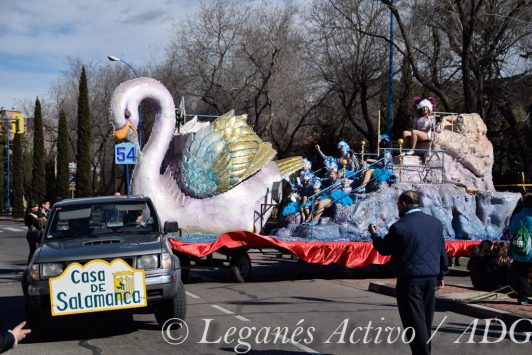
128,260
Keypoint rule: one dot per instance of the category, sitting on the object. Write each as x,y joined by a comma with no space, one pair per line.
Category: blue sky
37,37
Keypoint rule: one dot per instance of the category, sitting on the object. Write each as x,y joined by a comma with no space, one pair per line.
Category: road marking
226,311
191,294
11,229
285,339
220,308
243,319
302,347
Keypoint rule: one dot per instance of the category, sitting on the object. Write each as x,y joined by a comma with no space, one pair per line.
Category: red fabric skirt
350,254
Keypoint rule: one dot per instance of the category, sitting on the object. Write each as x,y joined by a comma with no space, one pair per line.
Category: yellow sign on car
97,286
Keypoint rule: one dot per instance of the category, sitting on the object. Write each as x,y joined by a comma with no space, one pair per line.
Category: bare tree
348,61
102,80
245,57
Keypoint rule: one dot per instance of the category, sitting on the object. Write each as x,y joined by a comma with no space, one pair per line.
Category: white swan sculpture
218,175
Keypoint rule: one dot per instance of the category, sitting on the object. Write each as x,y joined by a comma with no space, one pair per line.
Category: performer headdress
344,146
332,167
429,102
425,103
384,137
329,162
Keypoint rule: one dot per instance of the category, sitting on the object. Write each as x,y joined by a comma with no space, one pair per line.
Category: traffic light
20,125
17,125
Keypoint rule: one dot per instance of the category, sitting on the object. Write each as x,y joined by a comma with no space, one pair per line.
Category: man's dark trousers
415,301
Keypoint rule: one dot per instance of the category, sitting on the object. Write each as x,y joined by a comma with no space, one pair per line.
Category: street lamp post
7,120
112,58
116,59
8,198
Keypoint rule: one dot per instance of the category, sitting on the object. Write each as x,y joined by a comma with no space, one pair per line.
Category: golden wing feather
246,151
222,155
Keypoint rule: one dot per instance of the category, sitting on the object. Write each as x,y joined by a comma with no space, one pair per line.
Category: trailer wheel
240,266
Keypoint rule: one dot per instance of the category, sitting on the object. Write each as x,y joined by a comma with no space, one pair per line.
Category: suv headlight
147,262
51,270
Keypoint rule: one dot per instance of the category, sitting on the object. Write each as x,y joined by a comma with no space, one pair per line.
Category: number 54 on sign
126,153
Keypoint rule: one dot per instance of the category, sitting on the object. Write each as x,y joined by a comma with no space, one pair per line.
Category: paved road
316,309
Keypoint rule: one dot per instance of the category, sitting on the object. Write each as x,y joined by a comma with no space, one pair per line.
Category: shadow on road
93,326
290,271
73,327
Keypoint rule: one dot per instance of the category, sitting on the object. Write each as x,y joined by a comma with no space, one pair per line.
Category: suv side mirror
170,227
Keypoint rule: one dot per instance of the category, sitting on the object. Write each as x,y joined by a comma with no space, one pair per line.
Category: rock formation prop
461,195
483,215
468,159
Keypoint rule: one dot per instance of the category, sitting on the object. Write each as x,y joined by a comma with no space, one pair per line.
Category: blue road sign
126,153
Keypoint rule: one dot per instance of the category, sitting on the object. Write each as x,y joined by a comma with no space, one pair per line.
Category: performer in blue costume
344,152
299,202
335,194
381,169
293,206
306,191
304,171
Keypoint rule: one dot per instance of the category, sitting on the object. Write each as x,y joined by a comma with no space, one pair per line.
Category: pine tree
37,187
27,154
83,175
62,158
18,178
2,152
51,191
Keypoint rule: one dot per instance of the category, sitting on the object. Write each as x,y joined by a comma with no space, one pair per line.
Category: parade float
220,181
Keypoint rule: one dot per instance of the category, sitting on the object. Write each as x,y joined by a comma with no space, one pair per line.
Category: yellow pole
379,135
363,143
344,163
400,141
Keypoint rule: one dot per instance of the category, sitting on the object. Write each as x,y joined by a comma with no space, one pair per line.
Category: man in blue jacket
522,262
417,247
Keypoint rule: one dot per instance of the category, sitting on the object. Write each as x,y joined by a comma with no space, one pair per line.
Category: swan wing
221,155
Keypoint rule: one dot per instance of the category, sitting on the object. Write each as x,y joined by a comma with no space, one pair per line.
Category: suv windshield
98,219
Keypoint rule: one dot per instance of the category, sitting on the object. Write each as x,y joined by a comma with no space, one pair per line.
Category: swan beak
122,133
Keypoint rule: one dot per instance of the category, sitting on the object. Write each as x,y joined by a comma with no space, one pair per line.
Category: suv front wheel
38,321
173,308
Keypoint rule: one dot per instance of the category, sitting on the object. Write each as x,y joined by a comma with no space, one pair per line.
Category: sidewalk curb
468,309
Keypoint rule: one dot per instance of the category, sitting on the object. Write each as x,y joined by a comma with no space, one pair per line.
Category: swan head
125,111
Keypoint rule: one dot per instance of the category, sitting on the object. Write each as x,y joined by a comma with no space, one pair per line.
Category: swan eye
127,114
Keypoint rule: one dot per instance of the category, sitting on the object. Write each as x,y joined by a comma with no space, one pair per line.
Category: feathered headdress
429,102
328,162
344,146
332,167
384,137
307,163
